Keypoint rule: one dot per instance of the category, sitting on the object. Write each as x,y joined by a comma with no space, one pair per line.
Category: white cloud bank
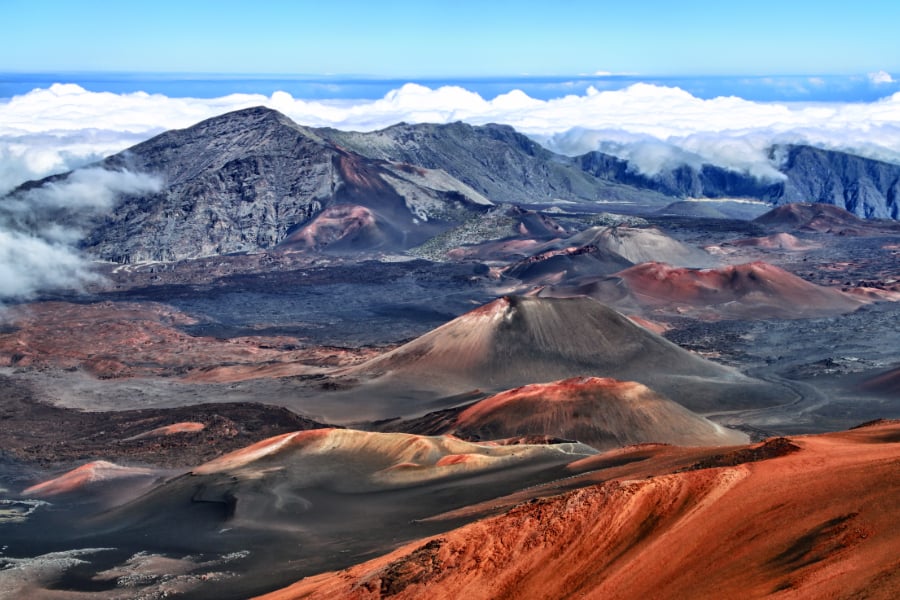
64,126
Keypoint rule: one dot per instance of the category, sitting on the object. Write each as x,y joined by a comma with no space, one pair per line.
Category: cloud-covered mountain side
865,187
254,180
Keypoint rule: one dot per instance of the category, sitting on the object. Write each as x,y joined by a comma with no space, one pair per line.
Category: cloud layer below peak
64,126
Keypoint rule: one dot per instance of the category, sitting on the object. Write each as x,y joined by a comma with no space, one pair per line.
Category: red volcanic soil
126,339
342,223
813,522
886,383
601,412
822,218
79,478
750,290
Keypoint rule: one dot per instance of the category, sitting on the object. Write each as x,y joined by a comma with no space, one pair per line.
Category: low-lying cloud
41,227
64,126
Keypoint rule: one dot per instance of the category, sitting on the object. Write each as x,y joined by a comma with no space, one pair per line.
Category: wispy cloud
880,77
40,229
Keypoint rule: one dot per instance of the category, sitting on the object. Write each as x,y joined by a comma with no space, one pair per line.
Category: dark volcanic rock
38,433
242,182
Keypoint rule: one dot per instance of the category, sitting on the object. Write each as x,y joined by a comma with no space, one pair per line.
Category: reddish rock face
334,224
814,522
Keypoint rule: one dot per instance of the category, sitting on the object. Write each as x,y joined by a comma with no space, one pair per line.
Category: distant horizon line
435,77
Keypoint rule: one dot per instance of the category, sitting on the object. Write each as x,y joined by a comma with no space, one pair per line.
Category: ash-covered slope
601,412
643,244
514,341
559,265
602,251
247,180
497,161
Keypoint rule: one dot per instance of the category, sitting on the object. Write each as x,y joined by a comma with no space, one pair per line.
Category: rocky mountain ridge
866,187
253,180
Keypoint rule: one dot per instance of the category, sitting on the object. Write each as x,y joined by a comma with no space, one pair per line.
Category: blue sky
428,38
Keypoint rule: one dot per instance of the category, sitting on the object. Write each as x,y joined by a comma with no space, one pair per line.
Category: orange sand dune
81,477
753,289
601,412
818,522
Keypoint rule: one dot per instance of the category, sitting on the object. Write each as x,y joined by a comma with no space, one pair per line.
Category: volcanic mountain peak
244,181
517,340
495,160
601,412
181,155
